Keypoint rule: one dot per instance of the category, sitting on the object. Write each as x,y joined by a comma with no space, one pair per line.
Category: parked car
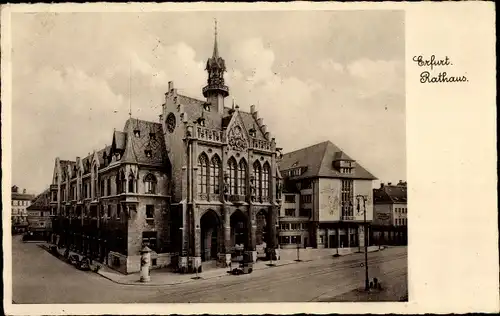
245,265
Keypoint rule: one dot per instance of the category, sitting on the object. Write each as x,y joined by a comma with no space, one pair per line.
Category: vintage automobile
244,264
84,264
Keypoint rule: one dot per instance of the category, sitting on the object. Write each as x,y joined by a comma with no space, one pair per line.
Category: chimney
170,86
252,108
264,129
389,183
260,121
161,117
381,185
24,191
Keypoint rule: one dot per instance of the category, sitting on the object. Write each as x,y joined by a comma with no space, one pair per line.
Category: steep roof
119,139
41,201
390,194
100,155
148,139
194,110
317,161
22,196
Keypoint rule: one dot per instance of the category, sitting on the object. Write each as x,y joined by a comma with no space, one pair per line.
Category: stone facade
224,171
332,197
108,204
216,179
20,201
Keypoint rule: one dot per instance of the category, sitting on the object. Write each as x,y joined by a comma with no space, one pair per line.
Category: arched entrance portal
261,233
210,227
239,229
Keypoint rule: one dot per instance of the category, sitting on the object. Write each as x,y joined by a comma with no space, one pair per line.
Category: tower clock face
170,122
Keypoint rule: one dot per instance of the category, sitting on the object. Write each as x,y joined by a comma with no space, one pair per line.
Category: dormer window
152,136
252,132
148,153
201,121
206,106
344,166
137,133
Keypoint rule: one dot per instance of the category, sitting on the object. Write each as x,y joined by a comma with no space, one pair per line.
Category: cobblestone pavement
39,277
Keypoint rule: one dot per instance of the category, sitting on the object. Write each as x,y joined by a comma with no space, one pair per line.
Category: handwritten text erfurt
429,76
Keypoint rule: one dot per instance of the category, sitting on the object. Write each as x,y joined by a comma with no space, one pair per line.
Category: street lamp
298,255
367,281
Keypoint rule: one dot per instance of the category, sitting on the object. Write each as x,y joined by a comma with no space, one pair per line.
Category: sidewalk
164,277
161,277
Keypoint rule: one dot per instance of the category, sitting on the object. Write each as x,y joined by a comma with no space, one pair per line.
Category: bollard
145,264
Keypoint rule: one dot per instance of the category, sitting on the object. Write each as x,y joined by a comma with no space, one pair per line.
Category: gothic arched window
121,183
150,184
202,174
257,173
131,183
214,175
96,183
232,168
118,183
242,177
265,180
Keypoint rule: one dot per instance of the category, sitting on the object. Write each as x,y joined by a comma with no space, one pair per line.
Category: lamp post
367,281
298,255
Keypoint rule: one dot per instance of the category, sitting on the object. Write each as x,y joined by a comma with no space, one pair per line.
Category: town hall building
194,187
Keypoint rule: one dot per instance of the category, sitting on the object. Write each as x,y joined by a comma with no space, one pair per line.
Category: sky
312,75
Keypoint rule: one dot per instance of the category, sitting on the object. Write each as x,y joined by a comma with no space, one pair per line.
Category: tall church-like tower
215,91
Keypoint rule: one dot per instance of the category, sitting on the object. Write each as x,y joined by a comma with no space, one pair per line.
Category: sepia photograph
209,157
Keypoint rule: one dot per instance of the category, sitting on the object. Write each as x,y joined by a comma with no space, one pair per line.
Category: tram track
250,283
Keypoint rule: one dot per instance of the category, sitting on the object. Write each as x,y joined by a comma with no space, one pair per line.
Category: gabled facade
225,188
331,194
194,187
111,202
39,215
391,213
20,201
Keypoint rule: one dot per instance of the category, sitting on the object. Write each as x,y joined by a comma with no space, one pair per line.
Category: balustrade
260,144
208,134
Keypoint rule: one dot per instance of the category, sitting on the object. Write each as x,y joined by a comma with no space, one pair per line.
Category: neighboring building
322,206
192,187
19,215
39,216
113,201
390,220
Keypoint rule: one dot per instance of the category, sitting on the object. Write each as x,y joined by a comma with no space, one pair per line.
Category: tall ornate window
150,184
242,177
257,173
347,193
118,183
121,183
109,186
214,175
131,183
265,180
202,174
96,183
232,170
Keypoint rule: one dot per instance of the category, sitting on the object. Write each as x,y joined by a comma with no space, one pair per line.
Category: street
39,277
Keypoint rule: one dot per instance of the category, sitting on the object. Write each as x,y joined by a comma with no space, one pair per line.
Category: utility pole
367,281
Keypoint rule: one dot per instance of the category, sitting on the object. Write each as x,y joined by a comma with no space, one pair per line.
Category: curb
188,280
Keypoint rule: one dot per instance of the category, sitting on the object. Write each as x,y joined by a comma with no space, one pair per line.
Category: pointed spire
216,48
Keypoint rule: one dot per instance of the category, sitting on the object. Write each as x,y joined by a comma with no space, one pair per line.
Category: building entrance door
210,226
